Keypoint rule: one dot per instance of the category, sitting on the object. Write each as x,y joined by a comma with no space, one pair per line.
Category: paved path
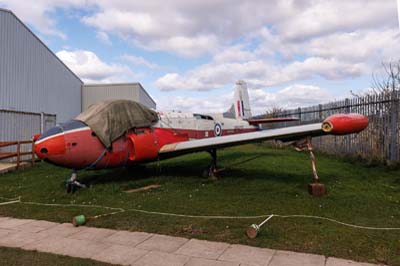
8,167
144,249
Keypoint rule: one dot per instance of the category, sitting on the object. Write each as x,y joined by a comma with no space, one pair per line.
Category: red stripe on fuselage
201,134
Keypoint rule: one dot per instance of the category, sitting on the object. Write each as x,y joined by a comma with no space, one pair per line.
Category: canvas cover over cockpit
110,119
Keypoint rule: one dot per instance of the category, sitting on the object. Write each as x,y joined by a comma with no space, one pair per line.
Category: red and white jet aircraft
74,145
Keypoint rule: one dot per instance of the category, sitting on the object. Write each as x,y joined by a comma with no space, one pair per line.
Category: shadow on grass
193,167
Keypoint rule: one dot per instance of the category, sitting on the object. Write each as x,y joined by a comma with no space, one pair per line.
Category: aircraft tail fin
240,109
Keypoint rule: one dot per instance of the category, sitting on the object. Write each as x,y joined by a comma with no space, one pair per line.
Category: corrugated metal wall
16,126
32,78
95,93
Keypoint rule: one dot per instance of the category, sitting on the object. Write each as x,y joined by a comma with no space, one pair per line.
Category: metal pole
41,122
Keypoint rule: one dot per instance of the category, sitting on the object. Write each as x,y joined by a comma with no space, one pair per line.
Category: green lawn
19,257
275,182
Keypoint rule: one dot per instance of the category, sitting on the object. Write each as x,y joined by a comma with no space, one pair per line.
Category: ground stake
254,229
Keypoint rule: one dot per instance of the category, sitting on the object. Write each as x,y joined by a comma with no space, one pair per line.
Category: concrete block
93,234
288,258
341,262
203,249
127,238
207,262
248,255
156,258
163,243
117,254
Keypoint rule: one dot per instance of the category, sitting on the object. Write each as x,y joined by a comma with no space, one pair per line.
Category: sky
189,54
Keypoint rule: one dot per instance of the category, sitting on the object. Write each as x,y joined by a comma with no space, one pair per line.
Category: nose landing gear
73,184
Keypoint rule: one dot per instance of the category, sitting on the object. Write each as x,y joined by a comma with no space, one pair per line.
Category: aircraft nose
50,143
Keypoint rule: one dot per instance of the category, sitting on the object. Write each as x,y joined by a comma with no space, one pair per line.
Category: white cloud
293,96
257,73
90,68
103,37
265,42
40,14
140,61
323,17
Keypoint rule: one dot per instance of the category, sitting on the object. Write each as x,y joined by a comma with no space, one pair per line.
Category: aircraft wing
270,120
336,125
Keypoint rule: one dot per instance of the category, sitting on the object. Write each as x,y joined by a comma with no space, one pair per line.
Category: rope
120,210
92,165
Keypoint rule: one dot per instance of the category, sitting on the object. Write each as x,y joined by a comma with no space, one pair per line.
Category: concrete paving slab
157,258
18,239
8,167
93,234
36,226
127,238
248,255
288,258
46,244
68,246
163,243
118,254
4,232
3,219
341,262
63,230
203,249
207,262
13,223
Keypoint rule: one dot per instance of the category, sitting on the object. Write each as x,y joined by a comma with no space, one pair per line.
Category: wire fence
380,141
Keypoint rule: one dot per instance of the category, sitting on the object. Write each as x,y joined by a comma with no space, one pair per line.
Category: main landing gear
73,184
211,171
316,188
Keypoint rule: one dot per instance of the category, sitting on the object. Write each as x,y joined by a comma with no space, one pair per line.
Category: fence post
319,112
33,153
18,153
393,154
299,113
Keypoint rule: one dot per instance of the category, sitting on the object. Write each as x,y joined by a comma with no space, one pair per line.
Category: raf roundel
217,130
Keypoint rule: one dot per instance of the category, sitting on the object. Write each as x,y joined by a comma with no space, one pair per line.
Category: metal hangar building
37,90
93,93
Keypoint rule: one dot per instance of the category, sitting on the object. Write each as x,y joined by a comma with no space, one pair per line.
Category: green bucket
79,220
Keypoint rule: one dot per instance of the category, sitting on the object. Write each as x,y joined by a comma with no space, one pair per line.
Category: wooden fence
379,141
18,153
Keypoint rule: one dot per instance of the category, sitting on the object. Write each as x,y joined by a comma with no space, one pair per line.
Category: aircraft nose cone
51,143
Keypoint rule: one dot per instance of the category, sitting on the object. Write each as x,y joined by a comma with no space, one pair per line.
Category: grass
19,257
274,182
